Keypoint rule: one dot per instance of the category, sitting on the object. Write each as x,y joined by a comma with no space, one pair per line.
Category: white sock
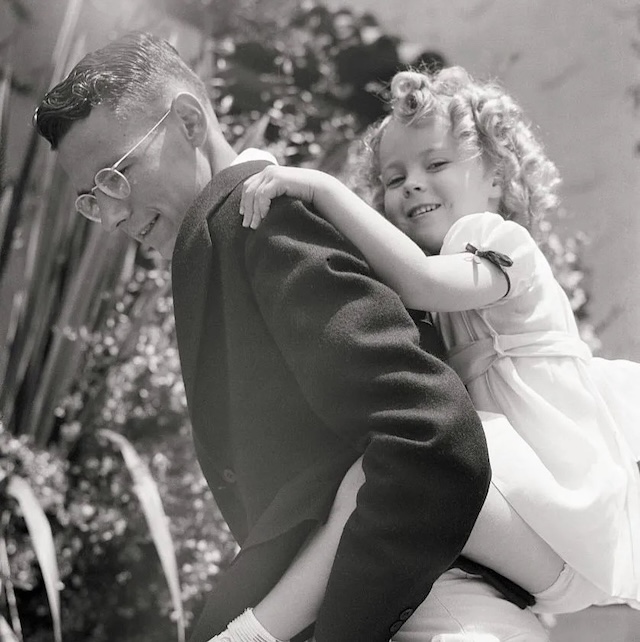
569,593
247,628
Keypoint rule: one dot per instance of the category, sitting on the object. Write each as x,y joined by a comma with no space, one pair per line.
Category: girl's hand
273,181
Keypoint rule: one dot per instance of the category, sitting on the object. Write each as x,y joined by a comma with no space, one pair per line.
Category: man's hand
273,181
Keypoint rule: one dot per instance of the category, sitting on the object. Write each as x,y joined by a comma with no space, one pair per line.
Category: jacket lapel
191,264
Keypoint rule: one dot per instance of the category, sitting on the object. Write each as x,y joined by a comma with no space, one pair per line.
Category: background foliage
307,82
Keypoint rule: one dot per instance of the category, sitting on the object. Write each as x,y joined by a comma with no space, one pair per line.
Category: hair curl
132,72
486,122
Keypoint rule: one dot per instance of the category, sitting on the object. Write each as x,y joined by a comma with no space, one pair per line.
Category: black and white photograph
319,321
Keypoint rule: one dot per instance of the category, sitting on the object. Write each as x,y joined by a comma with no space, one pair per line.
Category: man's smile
147,228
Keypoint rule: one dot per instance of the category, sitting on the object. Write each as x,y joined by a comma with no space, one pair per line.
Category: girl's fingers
255,214
257,193
261,205
247,201
244,206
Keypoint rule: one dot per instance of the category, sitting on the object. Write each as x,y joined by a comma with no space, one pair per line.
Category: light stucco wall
570,64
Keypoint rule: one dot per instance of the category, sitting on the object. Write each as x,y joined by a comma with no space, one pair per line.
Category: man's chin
166,249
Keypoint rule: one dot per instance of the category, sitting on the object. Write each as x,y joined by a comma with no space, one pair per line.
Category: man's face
162,172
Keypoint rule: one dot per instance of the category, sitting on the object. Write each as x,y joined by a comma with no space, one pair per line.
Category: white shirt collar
253,154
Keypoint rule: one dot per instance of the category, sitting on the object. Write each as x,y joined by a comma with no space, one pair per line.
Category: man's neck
220,153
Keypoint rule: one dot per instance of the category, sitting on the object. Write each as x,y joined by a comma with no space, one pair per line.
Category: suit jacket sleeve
354,352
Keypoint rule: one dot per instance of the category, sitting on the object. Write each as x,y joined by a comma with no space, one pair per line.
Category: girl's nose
412,186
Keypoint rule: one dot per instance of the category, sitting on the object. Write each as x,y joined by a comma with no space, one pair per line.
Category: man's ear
193,117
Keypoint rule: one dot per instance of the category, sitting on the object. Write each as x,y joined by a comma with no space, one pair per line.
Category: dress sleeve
505,243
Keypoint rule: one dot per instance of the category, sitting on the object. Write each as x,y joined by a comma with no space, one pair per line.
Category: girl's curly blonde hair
485,122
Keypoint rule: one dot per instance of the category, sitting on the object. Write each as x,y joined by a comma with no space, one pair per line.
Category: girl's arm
442,283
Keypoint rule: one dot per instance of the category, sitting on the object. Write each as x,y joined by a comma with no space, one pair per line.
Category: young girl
461,181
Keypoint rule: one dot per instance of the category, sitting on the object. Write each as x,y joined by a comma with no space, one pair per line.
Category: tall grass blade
33,322
5,92
60,62
42,539
17,199
64,43
5,203
7,398
9,592
76,317
6,634
146,490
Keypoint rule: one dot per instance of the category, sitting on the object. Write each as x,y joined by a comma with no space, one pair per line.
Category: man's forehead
93,143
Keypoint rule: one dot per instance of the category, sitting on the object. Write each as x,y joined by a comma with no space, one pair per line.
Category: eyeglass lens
109,181
113,183
87,205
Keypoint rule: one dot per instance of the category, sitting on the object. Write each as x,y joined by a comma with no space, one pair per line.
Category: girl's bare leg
500,540
503,541
293,603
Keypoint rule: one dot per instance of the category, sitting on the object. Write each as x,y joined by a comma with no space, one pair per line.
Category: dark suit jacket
295,361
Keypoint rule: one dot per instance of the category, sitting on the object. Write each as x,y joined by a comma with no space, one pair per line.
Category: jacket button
406,614
395,627
229,476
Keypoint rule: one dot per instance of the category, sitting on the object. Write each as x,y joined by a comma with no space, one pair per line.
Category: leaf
6,634
5,202
5,92
60,357
59,63
10,594
147,492
42,538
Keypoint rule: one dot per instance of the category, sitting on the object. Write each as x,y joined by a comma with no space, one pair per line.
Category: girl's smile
422,210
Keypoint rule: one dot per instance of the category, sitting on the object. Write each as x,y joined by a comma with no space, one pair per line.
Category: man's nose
113,211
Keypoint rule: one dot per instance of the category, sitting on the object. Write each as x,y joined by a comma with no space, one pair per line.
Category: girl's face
427,184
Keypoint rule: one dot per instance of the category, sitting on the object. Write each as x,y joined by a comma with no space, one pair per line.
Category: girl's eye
437,165
394,181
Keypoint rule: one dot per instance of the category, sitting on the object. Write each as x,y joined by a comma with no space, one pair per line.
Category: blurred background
106,525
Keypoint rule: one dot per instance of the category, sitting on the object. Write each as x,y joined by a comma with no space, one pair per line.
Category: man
295,359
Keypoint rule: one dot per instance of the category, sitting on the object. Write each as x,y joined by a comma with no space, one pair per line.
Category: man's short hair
129,73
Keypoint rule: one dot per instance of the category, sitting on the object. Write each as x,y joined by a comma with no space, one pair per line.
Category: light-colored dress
567,464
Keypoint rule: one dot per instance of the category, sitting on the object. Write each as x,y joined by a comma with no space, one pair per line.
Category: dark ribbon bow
497,258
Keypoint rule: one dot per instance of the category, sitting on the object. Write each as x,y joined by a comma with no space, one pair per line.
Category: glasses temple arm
133,149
